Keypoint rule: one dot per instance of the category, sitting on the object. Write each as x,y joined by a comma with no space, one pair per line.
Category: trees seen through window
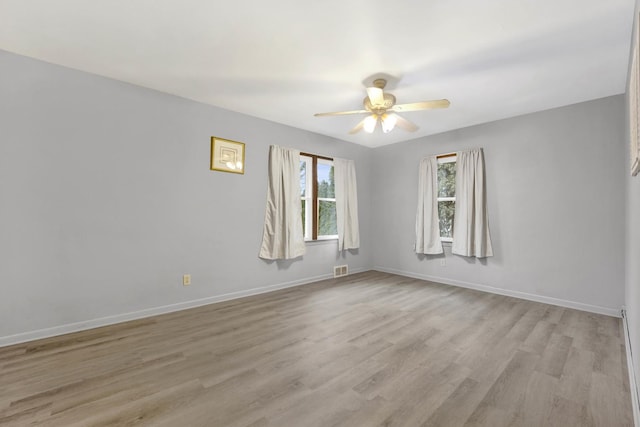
446,195
317,190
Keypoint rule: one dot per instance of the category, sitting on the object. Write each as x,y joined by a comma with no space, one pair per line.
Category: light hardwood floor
366,350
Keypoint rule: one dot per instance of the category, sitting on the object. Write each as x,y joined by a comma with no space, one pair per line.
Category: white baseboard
615,312
153,311
633,386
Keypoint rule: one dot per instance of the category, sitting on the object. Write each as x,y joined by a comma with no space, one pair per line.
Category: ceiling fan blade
405,124
424,105
342,113
358,127
376,97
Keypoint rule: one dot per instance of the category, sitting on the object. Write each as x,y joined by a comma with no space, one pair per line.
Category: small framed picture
227,155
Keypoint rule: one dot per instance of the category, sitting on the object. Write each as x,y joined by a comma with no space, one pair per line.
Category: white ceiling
284,60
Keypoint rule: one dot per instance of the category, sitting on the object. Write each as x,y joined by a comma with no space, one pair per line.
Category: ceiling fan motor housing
388,102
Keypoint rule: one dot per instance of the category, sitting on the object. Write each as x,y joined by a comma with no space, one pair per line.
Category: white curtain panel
344,173
427,223
283,237
471,222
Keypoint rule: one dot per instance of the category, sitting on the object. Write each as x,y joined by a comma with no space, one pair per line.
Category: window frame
446,158
311,192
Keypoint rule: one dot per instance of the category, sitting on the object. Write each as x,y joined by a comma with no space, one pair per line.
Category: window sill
321,241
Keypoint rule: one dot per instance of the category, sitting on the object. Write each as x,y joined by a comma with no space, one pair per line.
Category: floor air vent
340,270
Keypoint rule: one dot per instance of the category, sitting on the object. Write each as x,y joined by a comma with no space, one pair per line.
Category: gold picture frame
227,155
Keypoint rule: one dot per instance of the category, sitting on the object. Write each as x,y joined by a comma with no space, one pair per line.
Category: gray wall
632,282
107,199
555,185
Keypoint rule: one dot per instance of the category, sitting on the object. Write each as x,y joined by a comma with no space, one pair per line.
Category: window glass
323,202
446,196
327,225
326,183
447,179
446,210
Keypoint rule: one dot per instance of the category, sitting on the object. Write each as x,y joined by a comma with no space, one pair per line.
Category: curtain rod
315,155
442,156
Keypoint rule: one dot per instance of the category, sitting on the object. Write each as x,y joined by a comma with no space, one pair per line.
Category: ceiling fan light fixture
370,123
389,122
380,106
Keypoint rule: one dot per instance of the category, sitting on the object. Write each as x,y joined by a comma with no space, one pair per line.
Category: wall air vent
340,270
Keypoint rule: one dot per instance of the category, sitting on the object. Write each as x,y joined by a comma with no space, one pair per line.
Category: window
317,190
446,195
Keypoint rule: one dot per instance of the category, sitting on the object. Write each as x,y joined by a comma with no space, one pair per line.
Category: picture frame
634,102
227,155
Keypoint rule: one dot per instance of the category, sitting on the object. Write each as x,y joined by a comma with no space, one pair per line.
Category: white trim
614,312
323,241
154,311
633,386
328,237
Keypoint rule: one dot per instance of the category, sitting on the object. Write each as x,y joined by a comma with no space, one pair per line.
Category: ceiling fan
382,108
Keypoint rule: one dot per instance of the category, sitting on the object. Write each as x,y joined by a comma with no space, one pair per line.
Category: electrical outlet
186,280
443,263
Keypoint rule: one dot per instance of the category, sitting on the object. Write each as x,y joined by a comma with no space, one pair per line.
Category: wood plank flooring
371,349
